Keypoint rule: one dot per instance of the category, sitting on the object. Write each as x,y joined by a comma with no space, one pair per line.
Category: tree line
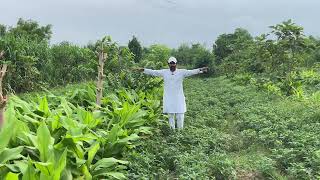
34,63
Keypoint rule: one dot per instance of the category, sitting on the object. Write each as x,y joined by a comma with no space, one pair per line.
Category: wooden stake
2,74
101,76
3,99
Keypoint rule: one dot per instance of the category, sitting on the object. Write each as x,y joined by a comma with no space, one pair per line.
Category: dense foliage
254,115
135,47
65,136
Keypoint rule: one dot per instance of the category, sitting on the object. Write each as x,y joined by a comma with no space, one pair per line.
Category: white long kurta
173,96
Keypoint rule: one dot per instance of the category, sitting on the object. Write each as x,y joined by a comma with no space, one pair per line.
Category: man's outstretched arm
195,71
149,71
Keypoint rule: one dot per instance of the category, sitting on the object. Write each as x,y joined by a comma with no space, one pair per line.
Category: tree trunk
101,76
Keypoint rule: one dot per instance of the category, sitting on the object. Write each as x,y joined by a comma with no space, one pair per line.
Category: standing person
174,103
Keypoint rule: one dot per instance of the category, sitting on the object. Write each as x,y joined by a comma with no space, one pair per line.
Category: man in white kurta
173,97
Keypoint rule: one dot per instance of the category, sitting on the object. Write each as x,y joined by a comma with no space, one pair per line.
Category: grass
233,131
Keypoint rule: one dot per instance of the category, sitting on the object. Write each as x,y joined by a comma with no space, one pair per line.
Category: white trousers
180,119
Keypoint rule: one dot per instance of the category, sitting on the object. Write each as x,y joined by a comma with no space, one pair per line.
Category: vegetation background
258,117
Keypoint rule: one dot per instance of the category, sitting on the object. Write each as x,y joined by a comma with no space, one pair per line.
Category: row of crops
235,131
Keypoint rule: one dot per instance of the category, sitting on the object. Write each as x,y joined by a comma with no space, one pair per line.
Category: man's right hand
204,69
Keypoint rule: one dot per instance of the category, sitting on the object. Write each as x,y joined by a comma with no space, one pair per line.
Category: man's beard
172,68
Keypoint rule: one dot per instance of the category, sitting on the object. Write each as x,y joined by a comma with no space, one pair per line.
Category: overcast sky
169,22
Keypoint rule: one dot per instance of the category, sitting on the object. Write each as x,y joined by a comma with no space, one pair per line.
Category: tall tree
227,44
3,30
183,54
32,29
292,42
136,49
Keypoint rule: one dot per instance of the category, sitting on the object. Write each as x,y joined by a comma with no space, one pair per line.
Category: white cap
172,59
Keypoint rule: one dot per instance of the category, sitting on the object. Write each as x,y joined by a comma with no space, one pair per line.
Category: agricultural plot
234,131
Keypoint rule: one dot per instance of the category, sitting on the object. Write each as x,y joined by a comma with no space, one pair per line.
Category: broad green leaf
55,123
80,138
74,128
113,135
33,139
12,176
116,175
20,103
22,165
66,175
107,162
43,167
8,128
80,162
27,118
86,172
30,173
10,154
70,144
12,167
45,177
3,171
21,130
60,164
44,107
44,142
92,152
132,137
66,107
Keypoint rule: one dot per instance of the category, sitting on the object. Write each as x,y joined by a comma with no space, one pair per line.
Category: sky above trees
169,22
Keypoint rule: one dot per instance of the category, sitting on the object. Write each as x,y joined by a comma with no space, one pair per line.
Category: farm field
233,131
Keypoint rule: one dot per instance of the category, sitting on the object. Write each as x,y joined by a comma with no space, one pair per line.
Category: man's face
172,66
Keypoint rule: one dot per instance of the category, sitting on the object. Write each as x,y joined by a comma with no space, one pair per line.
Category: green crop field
234,132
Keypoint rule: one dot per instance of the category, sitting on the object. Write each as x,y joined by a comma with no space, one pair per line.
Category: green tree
27,51
136,49
282,54
183,54
227,44
32,30
157,56
71,63
291,42
194,56
3,30
23,56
